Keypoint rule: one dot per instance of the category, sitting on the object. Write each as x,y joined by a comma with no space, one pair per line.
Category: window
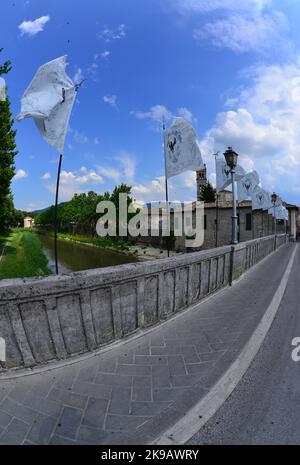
205,222
248,221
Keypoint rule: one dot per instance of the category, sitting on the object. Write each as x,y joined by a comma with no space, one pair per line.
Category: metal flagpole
217,205
77,86
56,214
166,188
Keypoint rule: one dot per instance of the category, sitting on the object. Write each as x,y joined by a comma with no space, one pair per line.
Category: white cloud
108,34
156,113
109,172
72,182
245,26
105,54
96,141
128,165
80,138
264,127
78,76
20,174
243,34
201,6
159,113
110,99
181,188
33,27
46,176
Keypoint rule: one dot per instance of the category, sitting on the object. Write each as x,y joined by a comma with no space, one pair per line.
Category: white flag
49,101
247,185
261,199
182,152
2,90
281,213
223,174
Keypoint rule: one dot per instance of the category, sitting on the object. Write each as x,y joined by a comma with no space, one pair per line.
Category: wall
56,317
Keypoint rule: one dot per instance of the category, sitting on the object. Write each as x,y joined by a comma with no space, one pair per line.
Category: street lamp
231,160
274,200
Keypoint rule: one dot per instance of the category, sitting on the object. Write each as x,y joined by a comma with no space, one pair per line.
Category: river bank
140,251
22,255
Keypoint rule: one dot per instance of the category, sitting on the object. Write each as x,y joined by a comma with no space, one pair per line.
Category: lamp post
231,160
274,200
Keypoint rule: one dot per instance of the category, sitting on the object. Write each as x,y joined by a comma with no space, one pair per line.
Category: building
28,222
201,180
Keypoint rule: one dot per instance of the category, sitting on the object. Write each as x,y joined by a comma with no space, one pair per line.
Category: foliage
80,212
23,255
7,153
208,194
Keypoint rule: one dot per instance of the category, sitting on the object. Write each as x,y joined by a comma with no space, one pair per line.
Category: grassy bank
23,255
105,242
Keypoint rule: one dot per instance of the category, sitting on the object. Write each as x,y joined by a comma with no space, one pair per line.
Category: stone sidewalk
135,391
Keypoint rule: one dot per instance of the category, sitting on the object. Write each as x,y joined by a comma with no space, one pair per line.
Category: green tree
7,154
208,194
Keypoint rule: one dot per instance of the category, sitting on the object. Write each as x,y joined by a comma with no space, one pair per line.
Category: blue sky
232,68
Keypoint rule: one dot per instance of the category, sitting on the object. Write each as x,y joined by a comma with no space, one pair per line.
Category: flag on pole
261,199
182,152
49,100
247,185
223,175
2,90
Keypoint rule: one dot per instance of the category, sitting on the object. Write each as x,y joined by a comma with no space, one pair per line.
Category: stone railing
57,317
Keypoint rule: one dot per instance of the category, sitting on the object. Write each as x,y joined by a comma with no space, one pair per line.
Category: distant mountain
36,212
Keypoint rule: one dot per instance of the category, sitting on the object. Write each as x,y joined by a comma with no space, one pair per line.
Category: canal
74,256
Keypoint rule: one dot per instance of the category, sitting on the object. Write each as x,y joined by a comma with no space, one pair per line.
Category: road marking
190,424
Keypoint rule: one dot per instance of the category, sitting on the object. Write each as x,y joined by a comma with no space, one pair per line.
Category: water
73,256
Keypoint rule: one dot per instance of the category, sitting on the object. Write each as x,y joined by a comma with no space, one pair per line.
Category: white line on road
190,424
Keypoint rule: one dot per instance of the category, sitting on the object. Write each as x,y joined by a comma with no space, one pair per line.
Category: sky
230,67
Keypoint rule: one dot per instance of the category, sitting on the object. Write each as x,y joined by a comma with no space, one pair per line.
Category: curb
196,418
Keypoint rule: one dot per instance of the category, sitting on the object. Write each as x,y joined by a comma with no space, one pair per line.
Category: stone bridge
59,317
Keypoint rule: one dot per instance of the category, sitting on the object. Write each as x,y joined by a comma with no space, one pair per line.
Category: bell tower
201,179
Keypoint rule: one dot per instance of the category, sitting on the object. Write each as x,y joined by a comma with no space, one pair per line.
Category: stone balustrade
57,317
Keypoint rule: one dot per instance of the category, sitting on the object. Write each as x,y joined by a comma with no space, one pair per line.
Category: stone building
201,180
252,224
28,222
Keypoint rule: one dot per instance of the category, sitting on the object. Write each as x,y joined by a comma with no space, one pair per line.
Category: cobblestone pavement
133,392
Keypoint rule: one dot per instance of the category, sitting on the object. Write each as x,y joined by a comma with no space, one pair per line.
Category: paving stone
190,354
134,370
176,365
181,380
67,398
57,440
87,435
88,373
69,422
198,367
91,389
123,422
110,379
94,413
141,388
5,419
15,432
42,404
161,376
167,350
168,394
211,356
120,400
151,360
19,411
42,429
148,409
